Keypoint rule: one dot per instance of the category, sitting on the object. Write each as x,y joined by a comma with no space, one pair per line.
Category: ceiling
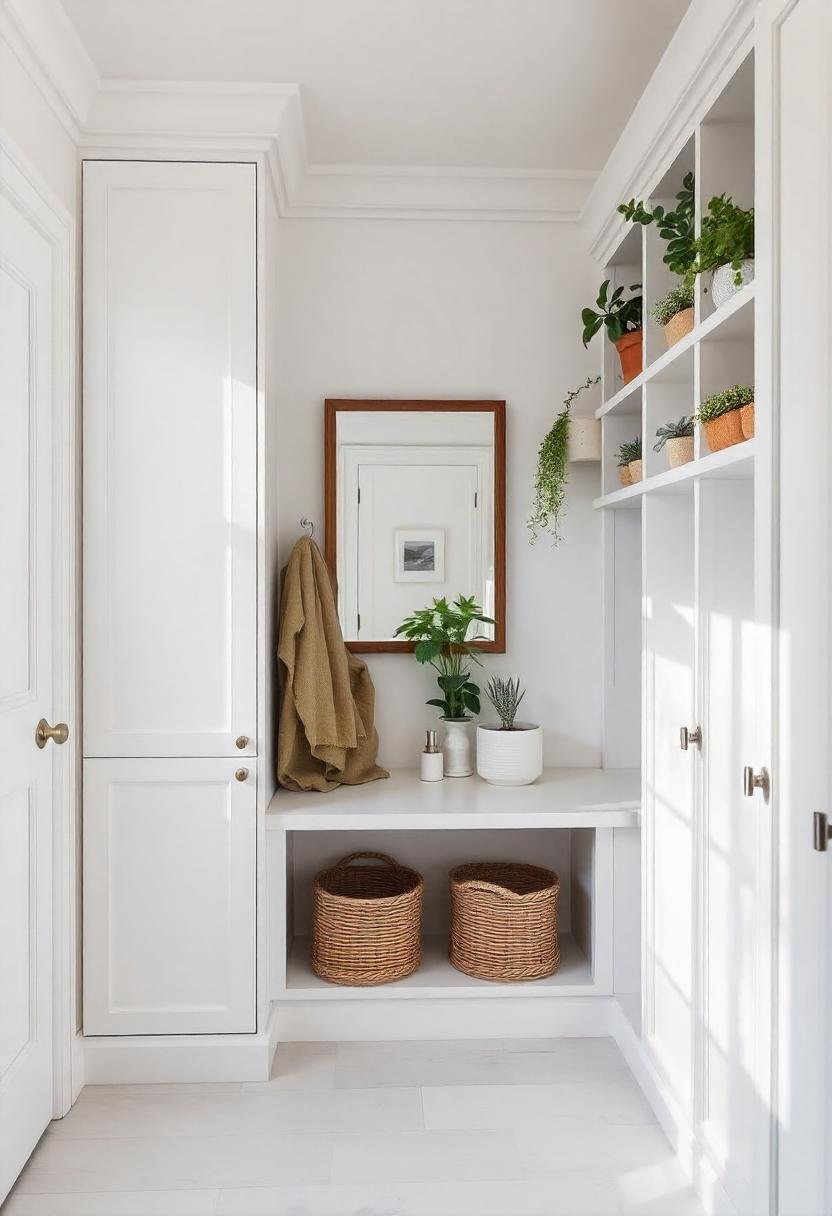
496,84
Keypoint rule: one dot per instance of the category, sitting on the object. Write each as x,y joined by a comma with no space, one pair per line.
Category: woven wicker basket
366,921
504,920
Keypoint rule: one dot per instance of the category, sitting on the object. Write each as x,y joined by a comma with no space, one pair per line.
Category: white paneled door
169,458
169,897
26,370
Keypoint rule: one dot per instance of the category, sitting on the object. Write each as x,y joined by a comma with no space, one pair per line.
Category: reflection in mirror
415,510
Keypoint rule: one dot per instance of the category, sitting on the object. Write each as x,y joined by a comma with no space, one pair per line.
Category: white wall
27,120
381,308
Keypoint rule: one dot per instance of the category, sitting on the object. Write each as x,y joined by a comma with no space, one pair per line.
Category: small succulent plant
505,696
682,429
629,451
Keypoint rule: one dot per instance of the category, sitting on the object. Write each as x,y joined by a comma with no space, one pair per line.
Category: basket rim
550,880
415,883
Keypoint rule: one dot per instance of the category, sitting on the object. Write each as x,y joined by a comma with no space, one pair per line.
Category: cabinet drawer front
169,897
169,458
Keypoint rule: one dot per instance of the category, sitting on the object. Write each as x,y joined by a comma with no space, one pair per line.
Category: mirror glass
415,511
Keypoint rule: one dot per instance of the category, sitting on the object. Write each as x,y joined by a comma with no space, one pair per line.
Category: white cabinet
170,597
170,458
169,894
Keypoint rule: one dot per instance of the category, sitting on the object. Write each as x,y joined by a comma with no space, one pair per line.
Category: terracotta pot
747,420
636,468
629,348
724,431
679,451
624,475
678,326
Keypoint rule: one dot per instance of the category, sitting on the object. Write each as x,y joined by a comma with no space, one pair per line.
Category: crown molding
45,42
187,117
711,41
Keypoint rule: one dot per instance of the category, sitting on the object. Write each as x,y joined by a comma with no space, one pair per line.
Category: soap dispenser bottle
431,762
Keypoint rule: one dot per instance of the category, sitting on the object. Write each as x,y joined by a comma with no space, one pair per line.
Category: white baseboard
673,1120
355,1020
137,1059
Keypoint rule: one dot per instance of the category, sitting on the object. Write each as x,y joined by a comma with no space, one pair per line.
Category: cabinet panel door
731,1111
169,458
669,825
169,897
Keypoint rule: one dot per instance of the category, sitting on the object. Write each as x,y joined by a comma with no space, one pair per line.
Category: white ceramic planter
510,757
584,440
456,747
723,286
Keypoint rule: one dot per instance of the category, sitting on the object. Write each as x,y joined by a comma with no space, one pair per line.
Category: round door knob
241,774
242,742
44,732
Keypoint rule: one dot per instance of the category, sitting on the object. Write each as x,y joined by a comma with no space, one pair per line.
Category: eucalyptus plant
677,227
550,478
681,429
441,636
505,696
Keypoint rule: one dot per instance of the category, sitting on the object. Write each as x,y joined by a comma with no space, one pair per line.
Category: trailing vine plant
550,478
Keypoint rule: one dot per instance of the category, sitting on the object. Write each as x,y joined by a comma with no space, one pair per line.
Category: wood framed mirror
415,509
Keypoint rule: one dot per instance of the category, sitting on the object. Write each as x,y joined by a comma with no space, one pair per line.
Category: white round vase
510,757
723,286
456,747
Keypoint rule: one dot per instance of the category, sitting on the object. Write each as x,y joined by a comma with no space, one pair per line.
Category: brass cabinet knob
44,732
752,781
241,774
242,742
686,737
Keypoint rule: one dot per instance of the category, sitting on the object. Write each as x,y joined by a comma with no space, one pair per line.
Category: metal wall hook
307,523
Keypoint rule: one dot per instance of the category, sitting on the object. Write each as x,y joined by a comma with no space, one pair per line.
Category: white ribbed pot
723,286
510,757
457,747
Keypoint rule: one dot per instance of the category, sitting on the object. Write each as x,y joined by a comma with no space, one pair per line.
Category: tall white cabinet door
668,831
733,1111
169,897
169,458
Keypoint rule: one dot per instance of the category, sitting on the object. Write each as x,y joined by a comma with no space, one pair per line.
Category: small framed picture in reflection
419,555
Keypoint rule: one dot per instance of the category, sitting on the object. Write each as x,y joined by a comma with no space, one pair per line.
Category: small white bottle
431,764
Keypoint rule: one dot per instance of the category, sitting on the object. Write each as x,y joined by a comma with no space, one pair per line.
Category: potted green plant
508,752
674,313
440,633
677,227
552,459
625,454
677,437
621,316
721,416
725,247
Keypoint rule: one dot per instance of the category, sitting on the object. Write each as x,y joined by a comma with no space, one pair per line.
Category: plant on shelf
621,316
677,227
674,313
727,417
440,633
629,460
678,438
508,752
725,247
550,478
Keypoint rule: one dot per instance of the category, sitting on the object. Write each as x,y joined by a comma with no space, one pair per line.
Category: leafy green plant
441,636
723,403
674,302
550,478
682,429
629,451
676,227
505,696
727,236
618,315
